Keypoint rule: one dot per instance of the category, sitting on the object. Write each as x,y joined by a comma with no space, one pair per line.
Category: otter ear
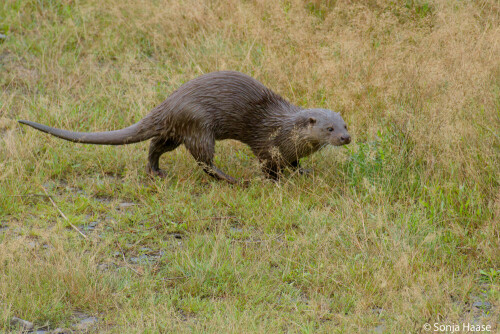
312,120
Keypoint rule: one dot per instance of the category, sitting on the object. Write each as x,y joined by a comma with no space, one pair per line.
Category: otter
224,105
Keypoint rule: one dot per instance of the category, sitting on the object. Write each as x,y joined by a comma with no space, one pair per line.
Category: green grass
398,229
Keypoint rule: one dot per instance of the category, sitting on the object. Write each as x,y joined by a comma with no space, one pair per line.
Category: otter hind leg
157,147
217,173
203,149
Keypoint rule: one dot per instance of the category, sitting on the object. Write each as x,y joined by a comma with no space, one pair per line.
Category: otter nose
346,139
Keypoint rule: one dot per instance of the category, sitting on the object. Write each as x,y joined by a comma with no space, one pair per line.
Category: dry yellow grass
397,230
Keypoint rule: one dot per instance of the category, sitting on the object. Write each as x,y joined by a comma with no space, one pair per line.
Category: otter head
323,127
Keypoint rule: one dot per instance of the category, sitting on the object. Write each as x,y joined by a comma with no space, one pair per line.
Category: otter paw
305,171
157,173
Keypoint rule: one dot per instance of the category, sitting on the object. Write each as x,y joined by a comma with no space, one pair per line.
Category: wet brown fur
225,105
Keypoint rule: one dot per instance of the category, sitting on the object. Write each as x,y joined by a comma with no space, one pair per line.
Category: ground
396,230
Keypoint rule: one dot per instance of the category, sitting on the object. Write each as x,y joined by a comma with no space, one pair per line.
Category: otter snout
345,139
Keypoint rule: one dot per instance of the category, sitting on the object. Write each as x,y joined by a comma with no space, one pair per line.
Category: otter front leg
295,165
157,147
272,170
202,149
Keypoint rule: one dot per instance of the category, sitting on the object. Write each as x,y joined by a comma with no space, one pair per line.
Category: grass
398,229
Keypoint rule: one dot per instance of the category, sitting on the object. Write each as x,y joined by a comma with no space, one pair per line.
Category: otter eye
345,127
330,129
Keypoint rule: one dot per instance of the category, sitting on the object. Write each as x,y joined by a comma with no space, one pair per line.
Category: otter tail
132,134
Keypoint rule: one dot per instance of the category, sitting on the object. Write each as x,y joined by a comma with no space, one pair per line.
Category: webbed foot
156,172
305,171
